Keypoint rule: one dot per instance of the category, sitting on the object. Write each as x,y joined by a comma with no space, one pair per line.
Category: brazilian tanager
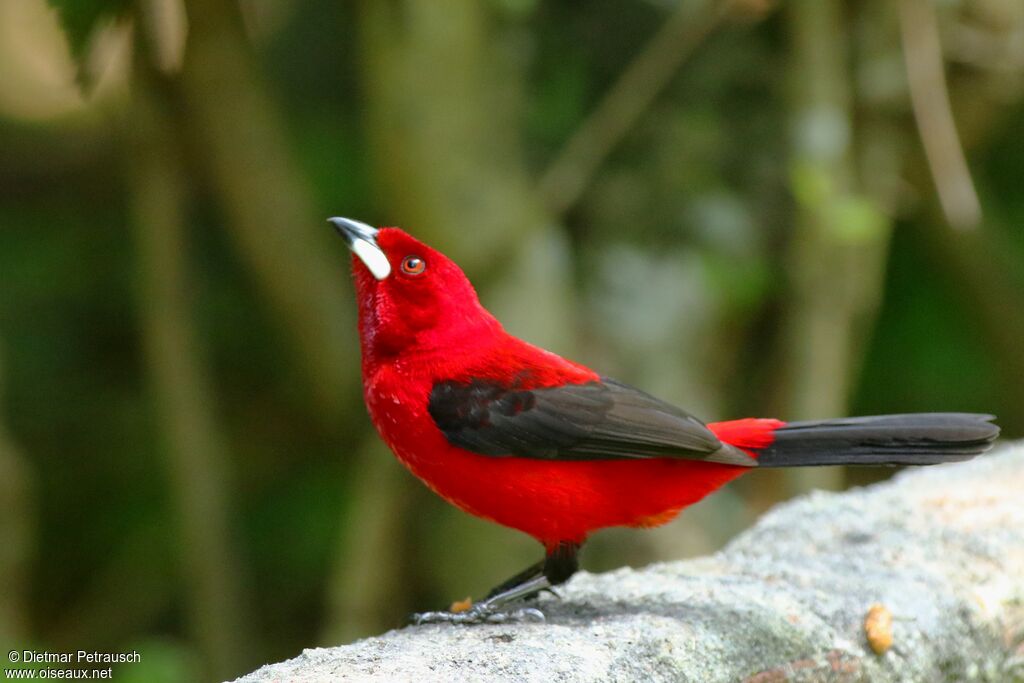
518,435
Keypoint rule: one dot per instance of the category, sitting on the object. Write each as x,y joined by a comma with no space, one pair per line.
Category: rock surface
941,548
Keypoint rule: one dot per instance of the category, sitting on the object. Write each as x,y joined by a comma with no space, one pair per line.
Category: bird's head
409,295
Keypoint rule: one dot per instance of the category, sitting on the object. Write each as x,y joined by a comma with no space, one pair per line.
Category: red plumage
416,333
752,434
518,435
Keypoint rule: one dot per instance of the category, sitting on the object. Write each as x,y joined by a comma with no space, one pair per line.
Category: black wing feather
592,421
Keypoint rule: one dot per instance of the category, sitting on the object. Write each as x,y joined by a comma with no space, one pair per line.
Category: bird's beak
362,240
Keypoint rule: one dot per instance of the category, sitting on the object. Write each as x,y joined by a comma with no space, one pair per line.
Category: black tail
912,439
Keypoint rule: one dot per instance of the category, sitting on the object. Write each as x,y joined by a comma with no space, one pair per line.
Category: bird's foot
491,610
481,613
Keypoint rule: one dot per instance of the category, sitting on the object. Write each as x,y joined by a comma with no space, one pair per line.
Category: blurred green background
796,209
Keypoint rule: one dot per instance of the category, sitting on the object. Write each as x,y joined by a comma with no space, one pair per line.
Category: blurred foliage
179,355
82,18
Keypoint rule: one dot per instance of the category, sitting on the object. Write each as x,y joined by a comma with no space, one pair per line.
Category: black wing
593,421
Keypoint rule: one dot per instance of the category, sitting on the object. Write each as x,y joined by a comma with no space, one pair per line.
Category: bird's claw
481,613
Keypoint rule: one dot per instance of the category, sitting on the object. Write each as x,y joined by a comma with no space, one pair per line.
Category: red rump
751,433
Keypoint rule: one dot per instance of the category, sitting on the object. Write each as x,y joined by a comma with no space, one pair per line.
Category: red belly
565,500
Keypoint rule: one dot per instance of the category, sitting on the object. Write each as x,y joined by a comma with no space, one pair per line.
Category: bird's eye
413,265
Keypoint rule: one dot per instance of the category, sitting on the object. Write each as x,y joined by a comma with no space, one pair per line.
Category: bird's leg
562,562
559,564
533,571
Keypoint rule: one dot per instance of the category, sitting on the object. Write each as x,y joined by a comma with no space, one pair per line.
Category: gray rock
942,548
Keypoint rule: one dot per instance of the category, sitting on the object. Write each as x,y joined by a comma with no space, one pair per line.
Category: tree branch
195,448
922,53
647,75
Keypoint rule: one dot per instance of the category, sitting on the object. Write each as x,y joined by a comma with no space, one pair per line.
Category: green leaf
80,18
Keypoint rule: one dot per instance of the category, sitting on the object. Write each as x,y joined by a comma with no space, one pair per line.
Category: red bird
525,438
